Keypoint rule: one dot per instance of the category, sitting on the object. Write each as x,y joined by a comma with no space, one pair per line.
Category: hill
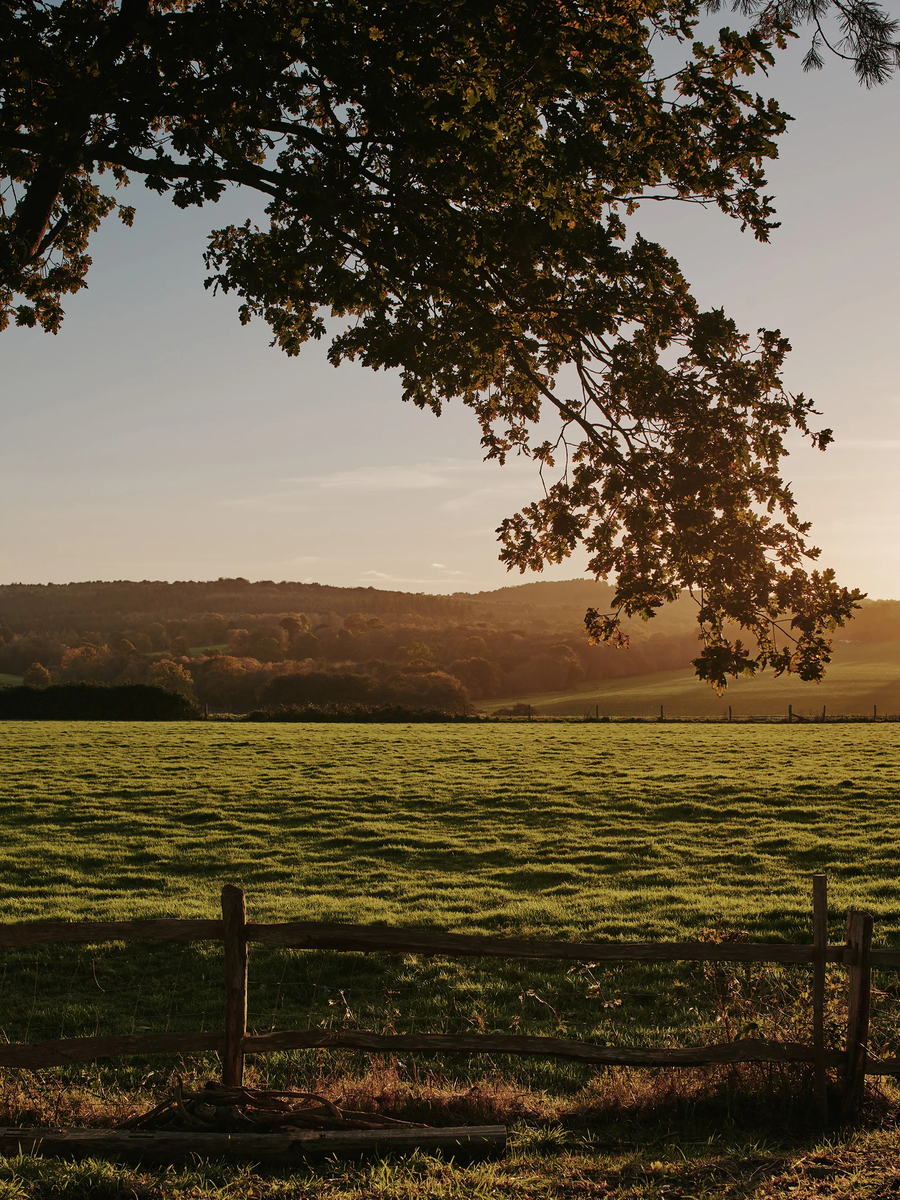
225,643
861,678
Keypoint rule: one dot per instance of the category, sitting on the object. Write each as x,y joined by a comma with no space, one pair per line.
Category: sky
156,438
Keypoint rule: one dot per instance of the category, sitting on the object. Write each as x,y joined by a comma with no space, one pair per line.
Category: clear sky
156,438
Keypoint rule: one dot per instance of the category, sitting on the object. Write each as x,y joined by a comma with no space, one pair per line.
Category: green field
860,678
10,680
596,830
579,830
583,831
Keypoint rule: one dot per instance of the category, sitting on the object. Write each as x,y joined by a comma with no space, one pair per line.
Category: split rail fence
233,1042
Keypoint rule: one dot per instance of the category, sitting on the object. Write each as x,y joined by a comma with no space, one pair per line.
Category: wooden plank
312,935
163,930
62,1051
859,939
234,917
747,1050
820,945
324,935
283,1147
882,956
887,1066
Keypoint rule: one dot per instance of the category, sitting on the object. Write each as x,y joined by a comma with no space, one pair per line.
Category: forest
233,646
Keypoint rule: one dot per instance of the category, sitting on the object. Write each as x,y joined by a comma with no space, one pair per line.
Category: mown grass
558,830
589,831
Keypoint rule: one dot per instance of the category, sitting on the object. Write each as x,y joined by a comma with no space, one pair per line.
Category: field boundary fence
234,1041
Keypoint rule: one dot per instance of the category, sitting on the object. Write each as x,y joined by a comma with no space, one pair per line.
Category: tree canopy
453,182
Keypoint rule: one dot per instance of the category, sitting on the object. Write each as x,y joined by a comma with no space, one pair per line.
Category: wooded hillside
236,645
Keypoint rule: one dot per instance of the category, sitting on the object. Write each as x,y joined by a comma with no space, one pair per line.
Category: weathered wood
859,940
820,945
324,935
312,935
882,956
61,1051
287,1147
747,1050
234,916
162,930
886,1066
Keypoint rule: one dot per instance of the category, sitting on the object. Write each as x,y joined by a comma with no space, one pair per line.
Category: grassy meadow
554,830
592,830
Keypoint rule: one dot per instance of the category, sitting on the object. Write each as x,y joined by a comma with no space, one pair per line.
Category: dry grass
630,1135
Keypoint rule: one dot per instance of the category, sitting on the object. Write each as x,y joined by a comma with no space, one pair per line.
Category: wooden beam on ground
280,1148
746,1050
324,935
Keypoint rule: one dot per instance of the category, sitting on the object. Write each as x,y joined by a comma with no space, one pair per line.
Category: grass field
10,680
595,830
859,678
585,830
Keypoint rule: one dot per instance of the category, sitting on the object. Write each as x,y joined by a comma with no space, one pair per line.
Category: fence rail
237,933
163,930
368,939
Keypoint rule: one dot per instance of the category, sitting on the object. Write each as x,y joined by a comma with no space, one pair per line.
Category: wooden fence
233,1042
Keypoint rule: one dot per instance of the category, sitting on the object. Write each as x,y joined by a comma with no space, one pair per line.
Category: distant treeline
292,645
109,605
367,714
401,650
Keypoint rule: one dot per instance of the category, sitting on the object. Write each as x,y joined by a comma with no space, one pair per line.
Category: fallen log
284,1149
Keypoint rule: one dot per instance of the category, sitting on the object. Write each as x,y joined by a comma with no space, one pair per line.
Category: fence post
859,942
234,916
820,943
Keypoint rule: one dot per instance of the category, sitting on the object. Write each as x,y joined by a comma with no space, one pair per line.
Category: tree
455,183
265,648
479,676
36,676
173,677
294,626
306,645
355,623
156,633
221,683
212,628
83,663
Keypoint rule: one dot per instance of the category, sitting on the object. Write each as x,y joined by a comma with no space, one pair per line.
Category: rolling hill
861,678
